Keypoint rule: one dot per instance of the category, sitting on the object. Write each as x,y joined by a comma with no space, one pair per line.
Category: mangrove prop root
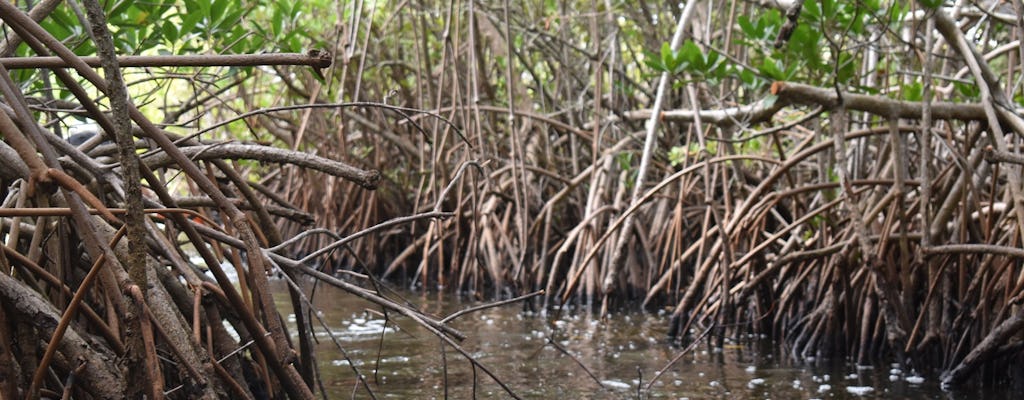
848,218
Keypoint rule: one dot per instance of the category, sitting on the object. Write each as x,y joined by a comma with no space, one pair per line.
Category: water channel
622,352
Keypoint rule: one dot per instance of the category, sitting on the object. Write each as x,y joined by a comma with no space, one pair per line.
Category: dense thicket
841,175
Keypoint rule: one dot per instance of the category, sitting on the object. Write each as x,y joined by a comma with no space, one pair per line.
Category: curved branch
365,178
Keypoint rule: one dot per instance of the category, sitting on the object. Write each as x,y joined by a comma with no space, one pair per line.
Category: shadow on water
623,352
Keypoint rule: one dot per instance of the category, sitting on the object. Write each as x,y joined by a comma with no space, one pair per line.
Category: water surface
402,360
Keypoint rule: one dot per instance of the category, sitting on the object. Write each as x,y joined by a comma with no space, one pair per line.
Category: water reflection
402,360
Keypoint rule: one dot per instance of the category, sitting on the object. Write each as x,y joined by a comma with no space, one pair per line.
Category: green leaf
692,56
217,10
205,7
967,90
234,17
170,31
59,30
192,7
857,24
625,160
847,68
747,77
294,44
711,59
897,13
120,8
277,23
828,9
805,45
653,61
771,68
129,40
748,28
293,14
913,92
668,59
769,23
811,11
189,23
676,155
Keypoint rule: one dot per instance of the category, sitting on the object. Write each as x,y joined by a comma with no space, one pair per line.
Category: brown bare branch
315,59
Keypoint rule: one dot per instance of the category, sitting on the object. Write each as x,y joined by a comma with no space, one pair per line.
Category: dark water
622,352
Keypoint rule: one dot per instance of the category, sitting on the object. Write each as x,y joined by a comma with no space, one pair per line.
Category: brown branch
293,214
365,178
65,212
42,42
976,249
792,17
495,109
69,183
998,108
314,58
38,13
796,93
101,379
155,384
753,113
26,151
993,155
97,322
985,350
11,165
61,329
799,93
490,305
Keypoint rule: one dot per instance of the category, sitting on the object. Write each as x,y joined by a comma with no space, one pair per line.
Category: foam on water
859,390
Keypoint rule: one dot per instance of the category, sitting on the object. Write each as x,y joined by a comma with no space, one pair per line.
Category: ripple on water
514,346
359,329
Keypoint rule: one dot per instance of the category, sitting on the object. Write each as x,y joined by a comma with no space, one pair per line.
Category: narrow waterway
403,361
